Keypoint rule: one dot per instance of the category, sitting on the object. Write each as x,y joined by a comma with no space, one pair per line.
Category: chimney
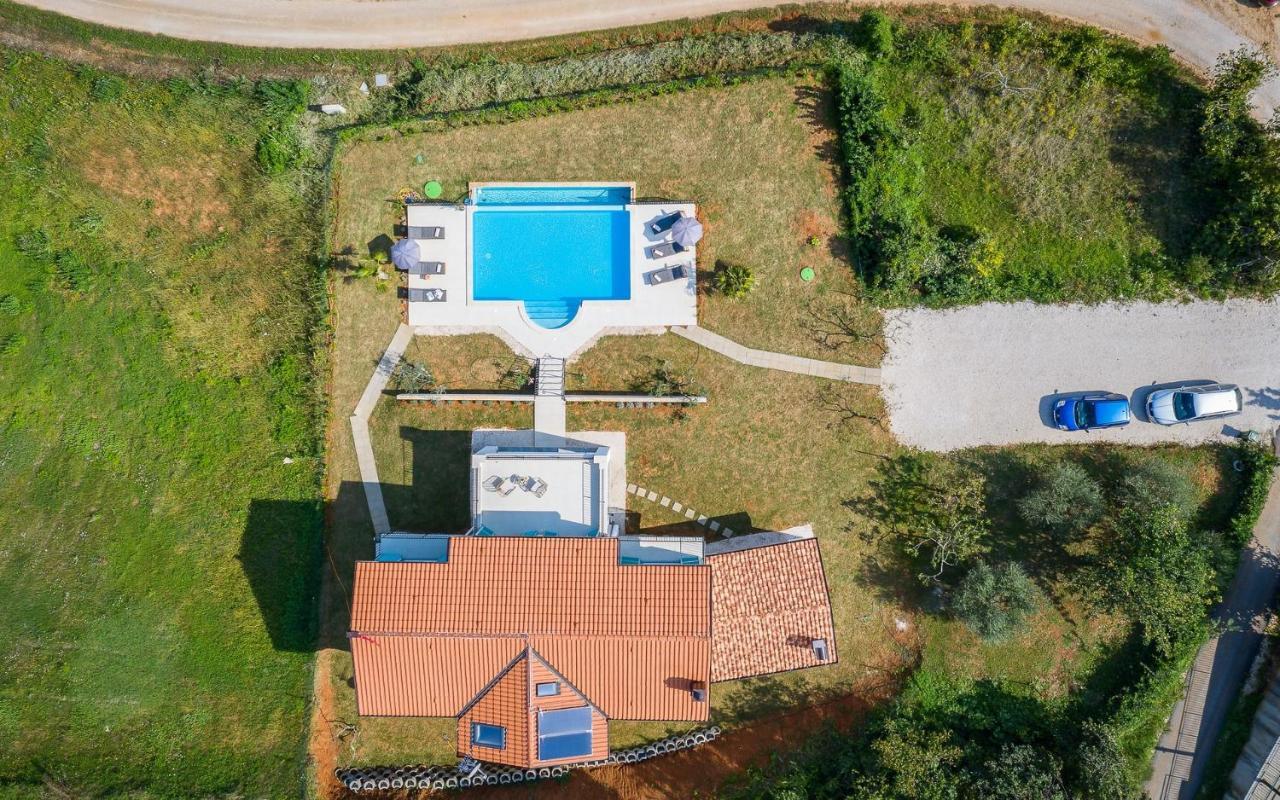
820,649
699,691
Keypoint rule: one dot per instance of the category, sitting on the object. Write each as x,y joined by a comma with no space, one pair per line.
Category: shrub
282,99
11,343
413,377
1022,772
33,244
278,150
1100,770
960,264
667,380
1240,171
10,305
734,280
994,601
106,88
1153,483
1160,576
875,32
1258,465
1066,501
71,272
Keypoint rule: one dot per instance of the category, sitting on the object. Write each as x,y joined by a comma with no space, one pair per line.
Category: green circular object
806,274
432,189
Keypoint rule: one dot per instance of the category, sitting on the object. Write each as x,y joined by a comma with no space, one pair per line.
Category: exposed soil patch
190,195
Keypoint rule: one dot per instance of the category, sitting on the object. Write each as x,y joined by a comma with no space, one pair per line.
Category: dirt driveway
989,374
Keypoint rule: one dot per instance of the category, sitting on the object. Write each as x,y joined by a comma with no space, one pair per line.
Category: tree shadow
281,552
769,695
1265,397
380,244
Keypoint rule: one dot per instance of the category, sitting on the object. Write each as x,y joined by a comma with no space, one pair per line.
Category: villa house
540,627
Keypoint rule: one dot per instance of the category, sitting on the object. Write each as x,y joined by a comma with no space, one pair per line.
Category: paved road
1221,666
1186,26
988,374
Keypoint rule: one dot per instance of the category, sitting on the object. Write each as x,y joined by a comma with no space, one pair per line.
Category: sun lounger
663,224
494,483
427,295
539,487
678,272
664,250
427,268
484,530
426,231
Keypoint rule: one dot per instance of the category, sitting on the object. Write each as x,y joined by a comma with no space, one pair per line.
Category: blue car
1088,411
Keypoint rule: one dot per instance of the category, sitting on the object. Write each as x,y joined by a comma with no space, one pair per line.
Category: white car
1188,403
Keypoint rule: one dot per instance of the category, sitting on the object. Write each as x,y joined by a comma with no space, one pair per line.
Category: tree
1022,772
936,508
1067,500
734,280
1152,483
993,601
1156,573
875,29
1100,771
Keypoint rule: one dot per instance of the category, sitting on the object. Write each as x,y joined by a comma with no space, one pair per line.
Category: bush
667,380
1158,574
734,280
1153,483
413,377
282,99
994,601
106,88
1258,465
1066,502
1240,171
875,33
278,150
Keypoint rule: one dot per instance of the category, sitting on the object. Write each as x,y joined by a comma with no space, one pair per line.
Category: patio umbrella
687,231
405,254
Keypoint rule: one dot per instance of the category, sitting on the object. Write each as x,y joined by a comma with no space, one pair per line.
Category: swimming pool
551,247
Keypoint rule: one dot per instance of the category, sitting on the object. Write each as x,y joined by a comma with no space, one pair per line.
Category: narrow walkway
549,402
360,428
1222,664
779,361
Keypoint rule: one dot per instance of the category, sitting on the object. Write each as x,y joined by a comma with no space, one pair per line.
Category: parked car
1088,411
1188,403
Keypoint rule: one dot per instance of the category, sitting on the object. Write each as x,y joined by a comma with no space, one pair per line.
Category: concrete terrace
649,309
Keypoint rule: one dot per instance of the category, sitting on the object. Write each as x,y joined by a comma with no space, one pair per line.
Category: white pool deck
649,309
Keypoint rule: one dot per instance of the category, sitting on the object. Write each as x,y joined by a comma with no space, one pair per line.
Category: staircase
550,313
550,378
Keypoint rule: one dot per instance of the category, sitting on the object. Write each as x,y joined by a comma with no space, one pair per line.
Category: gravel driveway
988,374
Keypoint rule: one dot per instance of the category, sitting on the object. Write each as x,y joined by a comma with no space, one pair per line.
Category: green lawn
158,555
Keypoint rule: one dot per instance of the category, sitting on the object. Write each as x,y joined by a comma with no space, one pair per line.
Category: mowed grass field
158,555
756,158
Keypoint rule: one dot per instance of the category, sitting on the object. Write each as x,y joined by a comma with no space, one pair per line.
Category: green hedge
1258,465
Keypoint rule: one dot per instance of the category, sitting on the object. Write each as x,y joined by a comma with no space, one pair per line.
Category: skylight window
564,734
548,689
485,735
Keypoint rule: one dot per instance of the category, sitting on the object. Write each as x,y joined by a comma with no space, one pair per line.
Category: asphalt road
1186,26
989,374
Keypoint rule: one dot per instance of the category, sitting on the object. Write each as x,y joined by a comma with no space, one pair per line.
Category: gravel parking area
989,374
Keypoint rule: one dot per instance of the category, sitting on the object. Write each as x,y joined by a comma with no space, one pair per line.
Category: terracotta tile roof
633,678
511,702
430,636
768,604
425,676
513,585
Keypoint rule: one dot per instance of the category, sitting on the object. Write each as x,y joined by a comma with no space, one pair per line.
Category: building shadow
281,552
435,497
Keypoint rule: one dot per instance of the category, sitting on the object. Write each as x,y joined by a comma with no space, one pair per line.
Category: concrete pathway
990,374
1222,664
778,361
360,428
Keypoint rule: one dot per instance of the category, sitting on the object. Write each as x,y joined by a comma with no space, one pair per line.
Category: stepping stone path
689,513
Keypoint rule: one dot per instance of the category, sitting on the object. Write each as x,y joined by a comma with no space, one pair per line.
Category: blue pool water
551,247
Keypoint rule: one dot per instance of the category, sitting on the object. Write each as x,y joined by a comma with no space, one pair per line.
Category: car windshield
1184,405
1084,414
